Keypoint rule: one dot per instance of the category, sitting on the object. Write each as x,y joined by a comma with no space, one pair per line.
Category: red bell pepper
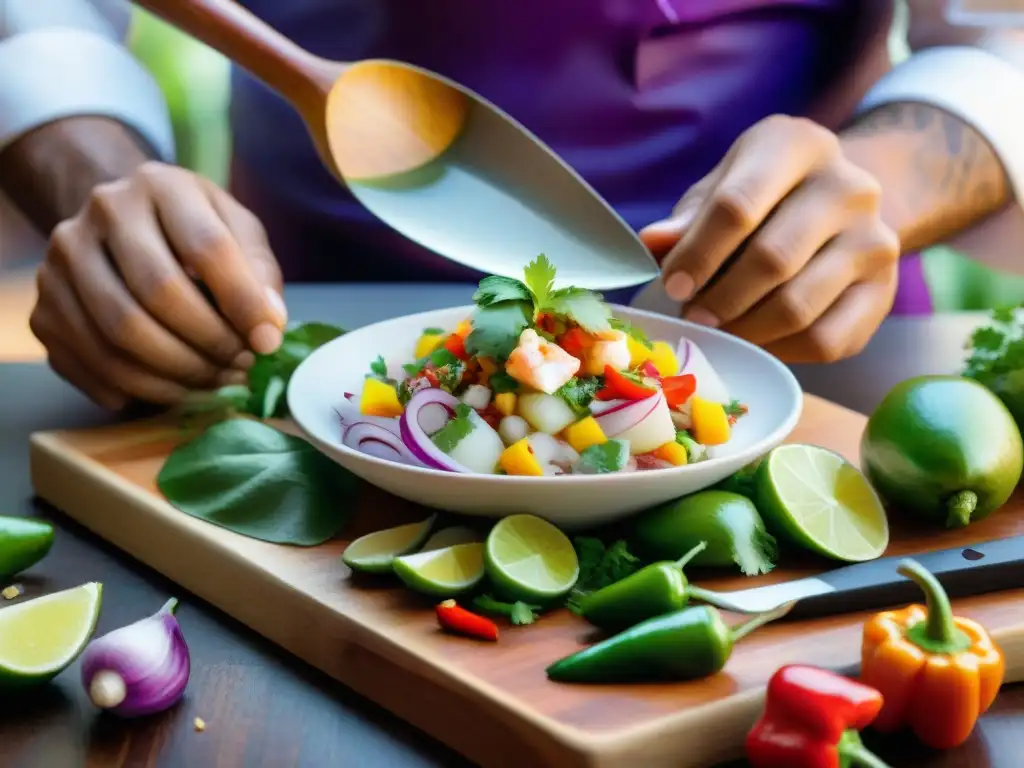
576,342
624,387
811,720
678,389
456,344
650,370
460,621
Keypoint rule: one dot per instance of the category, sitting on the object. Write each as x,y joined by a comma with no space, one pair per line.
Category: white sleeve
978,75
65,58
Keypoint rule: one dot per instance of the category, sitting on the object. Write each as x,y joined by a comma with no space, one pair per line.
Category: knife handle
987,566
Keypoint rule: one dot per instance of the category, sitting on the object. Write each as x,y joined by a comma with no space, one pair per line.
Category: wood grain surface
493,704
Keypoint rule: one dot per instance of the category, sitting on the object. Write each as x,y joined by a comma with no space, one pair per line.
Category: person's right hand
118,311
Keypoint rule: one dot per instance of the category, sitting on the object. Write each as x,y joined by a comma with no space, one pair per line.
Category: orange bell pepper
937,672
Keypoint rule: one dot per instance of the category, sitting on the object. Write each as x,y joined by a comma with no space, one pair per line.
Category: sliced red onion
627,415
415,436
599,407
649,461
378,440
353,417
709,384
349,396
139,669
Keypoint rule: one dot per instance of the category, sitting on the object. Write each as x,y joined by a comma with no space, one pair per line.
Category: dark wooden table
264,708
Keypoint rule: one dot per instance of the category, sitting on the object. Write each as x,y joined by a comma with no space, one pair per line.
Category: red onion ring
376,440
415,437
617,420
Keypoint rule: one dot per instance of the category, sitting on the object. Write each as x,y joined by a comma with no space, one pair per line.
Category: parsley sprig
506,307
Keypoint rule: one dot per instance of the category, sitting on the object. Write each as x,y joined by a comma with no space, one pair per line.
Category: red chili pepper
606,393
463,622
678,389
624,387
576,342
456,344
811,720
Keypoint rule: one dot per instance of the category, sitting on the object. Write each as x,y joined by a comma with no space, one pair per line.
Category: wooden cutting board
493,703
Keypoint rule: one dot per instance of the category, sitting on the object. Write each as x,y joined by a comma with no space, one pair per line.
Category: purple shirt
642,97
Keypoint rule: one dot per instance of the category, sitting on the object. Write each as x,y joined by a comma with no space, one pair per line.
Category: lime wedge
449,537
40,637
529,559
375,552
820,501
443,572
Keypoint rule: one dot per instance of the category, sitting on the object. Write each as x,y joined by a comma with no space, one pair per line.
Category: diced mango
664,358
673,453
518,459
710,422
379,398
584,433
505,403
427,343
638,353
487,366
464,328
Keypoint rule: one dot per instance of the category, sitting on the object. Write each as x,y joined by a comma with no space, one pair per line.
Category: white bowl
572,501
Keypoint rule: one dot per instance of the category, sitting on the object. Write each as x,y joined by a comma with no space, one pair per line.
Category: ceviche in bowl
545,399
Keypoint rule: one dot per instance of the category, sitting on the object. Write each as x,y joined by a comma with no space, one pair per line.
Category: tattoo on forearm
956,175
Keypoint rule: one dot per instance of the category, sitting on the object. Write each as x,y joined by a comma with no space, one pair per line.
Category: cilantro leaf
638,334
411,369
600,566
449,376
578,393
433,331
610,456
585,308
448,436
496,329
379,368
694,451
441,357
735,408
496,289
519,613
540,279
501,383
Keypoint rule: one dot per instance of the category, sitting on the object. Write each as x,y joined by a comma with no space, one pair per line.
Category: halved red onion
627,414
375,440
415,436
709,384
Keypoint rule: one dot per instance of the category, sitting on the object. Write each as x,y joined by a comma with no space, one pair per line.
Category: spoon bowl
430,158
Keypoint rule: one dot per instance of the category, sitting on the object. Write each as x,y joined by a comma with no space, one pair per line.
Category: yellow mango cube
464,328
427,343
505,403
710,422
673,453
664,358
638,353
584,433
518,459
379,399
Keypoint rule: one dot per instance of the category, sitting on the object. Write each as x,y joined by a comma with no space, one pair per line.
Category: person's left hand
816,267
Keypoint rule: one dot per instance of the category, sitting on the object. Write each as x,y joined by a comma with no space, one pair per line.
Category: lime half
443,572
375,552
820,501
529,559
448,537
40,637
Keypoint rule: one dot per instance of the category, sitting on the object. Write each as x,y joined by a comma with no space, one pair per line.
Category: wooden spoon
369,120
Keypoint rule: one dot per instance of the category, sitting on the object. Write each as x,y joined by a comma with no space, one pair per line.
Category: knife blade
976,569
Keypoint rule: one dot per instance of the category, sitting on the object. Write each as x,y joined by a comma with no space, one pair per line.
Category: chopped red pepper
545,322
491,415
650,370
431,376
605,393
624,387
576,342
456,344
460,621
678,389
811,720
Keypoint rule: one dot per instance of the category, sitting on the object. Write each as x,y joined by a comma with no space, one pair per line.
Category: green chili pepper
23,543
684,645
654,590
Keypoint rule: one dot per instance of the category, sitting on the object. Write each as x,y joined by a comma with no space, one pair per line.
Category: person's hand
118,310
816,268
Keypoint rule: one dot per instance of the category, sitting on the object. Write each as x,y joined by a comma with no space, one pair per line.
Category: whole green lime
944,448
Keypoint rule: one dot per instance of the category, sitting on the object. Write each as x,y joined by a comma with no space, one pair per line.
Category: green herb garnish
610,456
694,451
735,408
433,331
519,613
600,566
501,383
379,369
449,436
579,393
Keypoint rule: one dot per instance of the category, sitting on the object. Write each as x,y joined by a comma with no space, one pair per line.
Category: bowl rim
777,435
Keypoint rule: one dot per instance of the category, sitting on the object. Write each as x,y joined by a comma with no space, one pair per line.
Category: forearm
49,172
938,174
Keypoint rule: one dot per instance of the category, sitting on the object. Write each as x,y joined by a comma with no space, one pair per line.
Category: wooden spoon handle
229,28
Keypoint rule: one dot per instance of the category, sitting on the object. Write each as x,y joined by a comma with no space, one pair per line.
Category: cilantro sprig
506,307
600,566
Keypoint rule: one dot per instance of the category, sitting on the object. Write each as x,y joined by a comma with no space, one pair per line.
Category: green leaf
694,451
254,480
585,308
519,613
441,357
452,433
433,331
411,369
600,566
501,383
496,329
496,289
379,368
540,279
449,376
610,456
298,343
272,397
638,334
579,393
